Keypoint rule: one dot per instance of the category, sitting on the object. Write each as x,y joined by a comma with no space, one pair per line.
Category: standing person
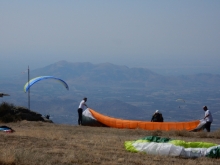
208,118
157,117
80,110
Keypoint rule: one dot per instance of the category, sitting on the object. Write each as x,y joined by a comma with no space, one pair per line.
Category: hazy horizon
169,37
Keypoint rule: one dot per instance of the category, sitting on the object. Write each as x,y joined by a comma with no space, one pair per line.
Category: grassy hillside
52,144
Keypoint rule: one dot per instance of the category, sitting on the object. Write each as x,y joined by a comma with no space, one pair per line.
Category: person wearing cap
80,110
157,117
208,118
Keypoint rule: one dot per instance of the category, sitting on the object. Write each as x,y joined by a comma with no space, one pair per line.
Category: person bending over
157,117
80,110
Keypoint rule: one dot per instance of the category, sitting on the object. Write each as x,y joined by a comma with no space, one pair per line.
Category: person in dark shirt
157,117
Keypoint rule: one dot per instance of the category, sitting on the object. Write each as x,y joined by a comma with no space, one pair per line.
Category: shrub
5,108
6,113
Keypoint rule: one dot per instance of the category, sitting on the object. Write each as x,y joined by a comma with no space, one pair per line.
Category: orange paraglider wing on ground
146,125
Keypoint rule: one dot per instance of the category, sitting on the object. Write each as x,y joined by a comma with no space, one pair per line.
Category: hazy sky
156,34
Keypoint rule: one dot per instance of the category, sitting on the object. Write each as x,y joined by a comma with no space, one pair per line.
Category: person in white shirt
80,110
208,118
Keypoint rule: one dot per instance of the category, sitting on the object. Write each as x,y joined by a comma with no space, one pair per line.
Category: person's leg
79,116
208,126
205,126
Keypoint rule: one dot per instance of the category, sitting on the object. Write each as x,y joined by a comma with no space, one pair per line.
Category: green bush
6,113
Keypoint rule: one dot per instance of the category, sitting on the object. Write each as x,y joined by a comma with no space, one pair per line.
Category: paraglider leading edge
34,80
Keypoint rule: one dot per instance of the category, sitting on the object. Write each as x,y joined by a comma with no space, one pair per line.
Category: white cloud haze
154,34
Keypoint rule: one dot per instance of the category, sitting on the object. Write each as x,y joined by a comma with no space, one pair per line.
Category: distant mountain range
118,91
109,74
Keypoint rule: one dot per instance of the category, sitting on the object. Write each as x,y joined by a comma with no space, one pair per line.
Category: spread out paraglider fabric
91,117
154,145
34,80
6,129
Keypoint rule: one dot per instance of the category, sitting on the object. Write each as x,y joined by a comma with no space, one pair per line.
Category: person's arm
152,118
206,116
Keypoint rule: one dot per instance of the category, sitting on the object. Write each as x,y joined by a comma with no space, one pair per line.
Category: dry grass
38,143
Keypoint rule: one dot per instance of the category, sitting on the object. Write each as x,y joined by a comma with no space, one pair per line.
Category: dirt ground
39,143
